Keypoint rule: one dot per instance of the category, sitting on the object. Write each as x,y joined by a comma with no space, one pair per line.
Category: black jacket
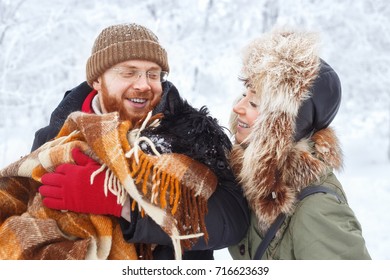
194,133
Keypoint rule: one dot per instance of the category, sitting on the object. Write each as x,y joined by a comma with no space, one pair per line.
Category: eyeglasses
132,75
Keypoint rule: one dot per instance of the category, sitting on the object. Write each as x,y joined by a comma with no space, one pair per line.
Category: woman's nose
238,108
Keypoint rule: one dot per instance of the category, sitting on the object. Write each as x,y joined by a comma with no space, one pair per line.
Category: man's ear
97,84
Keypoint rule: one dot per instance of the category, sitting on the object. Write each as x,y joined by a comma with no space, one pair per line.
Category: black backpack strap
269,236
280,219
317,189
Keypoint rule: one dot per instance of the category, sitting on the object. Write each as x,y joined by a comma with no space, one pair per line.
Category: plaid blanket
172,189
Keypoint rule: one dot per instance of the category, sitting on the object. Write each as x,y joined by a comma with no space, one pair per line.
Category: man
127,73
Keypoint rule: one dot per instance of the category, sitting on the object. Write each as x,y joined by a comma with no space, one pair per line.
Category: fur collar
271,187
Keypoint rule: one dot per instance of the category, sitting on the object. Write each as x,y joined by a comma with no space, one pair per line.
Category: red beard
114,105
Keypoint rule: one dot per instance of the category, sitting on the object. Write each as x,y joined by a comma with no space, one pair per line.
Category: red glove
69,188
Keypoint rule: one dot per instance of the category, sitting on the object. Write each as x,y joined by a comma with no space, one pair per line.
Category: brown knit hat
124,42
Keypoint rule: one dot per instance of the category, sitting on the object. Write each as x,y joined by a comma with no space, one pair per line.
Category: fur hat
283,67
123,42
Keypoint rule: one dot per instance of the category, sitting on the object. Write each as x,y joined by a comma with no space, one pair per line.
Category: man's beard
114,105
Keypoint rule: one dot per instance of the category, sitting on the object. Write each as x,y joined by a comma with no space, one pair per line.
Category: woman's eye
254,105
247,84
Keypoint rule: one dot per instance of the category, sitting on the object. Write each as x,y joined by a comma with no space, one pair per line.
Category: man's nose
142,81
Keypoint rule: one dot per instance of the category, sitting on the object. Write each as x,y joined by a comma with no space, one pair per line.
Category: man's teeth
243,124
138,100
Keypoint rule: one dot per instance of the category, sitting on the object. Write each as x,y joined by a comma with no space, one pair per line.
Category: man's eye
128,73
153,75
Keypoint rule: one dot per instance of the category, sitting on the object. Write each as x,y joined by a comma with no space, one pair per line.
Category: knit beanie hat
124,42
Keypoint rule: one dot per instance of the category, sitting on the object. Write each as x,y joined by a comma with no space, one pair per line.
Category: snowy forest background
44,45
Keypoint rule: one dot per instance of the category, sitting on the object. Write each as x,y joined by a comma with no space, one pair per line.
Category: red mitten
69,188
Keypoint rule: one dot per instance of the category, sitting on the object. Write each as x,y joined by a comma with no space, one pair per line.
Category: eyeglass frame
138,73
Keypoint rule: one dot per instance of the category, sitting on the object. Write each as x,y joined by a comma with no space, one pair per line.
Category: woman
284,145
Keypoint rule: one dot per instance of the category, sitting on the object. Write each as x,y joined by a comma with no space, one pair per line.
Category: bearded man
127,73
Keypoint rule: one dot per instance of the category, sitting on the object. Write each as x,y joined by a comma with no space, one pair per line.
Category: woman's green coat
323,227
